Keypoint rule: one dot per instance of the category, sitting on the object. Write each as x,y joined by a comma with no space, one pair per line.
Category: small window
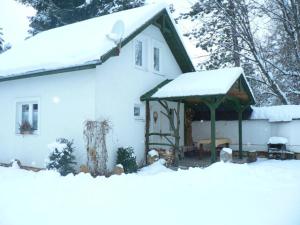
35,111
156,63
137,111
27,114
139,53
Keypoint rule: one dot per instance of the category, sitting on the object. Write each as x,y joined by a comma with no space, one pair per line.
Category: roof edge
38,73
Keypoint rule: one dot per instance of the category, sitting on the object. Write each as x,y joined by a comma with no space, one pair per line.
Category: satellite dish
117,32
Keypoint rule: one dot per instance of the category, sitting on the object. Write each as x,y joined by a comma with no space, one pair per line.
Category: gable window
27,117
156,57
138,53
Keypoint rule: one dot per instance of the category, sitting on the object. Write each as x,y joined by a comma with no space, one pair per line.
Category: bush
61,157
127,159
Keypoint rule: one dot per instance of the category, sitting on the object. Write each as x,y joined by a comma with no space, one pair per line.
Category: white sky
14,21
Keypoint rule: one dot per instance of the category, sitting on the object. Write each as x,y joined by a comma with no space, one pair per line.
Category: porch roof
194,86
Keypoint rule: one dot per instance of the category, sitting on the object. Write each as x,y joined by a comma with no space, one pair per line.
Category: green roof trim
148,95
248,90
39,73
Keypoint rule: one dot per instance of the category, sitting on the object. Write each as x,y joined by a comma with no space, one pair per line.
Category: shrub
61,157
127,159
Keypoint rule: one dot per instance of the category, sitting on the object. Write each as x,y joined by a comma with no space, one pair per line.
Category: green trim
171,36
247,89
49,72
147,95
240,115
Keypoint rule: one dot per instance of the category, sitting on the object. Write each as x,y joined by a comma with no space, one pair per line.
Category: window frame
144,42
157,45
18,113
141,115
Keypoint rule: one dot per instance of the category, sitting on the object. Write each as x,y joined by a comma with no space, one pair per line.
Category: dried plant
25,128
95,133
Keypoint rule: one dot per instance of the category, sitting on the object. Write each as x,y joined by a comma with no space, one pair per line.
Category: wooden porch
236,96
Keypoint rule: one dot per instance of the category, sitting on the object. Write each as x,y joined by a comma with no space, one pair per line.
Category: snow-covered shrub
127,159
61,157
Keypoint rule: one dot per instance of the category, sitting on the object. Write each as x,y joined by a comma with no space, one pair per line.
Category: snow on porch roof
204,83
80,44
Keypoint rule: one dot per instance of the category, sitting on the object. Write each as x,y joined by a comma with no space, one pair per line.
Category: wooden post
147,128
213,133
240,115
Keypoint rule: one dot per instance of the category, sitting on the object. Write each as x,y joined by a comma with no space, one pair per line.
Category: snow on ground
263,193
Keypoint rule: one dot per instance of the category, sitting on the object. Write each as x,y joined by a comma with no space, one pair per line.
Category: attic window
138,53
156,64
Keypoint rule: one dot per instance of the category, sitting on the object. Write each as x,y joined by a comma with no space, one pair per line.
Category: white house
62,77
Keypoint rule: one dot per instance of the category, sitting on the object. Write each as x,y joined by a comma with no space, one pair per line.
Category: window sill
140,68
141,119
159,73
28,135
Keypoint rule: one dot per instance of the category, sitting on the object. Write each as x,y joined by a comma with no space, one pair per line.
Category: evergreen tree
62,158
126,157
1,41
56,13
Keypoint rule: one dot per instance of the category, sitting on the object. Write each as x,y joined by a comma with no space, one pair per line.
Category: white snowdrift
262,193
284,113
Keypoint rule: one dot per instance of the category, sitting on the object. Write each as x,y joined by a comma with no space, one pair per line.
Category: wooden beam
240,114
163,144
213,104
213,134
147,128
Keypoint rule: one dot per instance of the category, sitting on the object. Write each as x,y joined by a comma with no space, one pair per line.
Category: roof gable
85,43
228,81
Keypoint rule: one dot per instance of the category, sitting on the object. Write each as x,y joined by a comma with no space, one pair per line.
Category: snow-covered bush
61,157
127,159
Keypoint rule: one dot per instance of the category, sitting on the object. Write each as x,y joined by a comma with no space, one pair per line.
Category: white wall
65,119
256,133
107,92
119,87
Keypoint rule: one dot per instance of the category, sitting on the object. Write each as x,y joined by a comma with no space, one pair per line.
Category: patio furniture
220,142
277,148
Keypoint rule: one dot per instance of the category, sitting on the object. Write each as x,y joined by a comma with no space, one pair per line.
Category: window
139,112
138,53
156,63
27,112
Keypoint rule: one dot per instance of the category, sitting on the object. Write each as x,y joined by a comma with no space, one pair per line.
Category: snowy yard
262,193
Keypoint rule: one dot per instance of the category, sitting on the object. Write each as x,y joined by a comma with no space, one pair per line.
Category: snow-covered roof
78,44
276,113
211,82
